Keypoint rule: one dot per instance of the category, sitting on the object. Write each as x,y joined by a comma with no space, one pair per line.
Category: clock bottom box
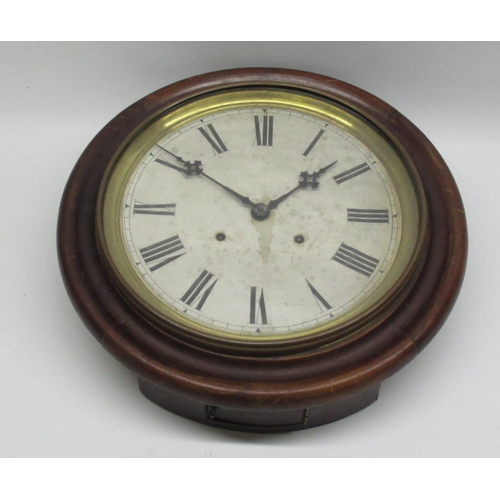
251,420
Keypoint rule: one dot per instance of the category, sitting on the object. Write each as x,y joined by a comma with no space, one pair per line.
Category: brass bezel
110,236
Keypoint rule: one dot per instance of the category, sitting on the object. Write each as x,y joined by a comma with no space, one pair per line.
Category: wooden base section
250,420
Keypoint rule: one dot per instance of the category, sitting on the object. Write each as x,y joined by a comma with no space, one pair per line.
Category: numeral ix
156,209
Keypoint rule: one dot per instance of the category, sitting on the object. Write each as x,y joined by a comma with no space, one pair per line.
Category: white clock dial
260,221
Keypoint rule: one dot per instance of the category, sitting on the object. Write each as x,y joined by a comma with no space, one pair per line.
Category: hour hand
305,180
312,180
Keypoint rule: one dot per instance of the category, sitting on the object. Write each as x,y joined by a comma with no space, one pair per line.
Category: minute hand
195,168
244,199
306,179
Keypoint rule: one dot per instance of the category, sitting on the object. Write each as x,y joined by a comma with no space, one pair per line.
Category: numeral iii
365,215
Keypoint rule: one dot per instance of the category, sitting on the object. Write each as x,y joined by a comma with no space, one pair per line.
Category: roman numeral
157,209
257,307
211,135
264,135
356,260
319,298
352,172
367,215
199,291
170,248
313,143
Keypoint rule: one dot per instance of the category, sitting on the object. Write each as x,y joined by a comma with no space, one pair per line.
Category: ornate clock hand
274,203
324,169
192,167
305,179
195,168
178,158
244,199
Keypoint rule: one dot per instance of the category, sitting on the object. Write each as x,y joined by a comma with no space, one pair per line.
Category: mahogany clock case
280,392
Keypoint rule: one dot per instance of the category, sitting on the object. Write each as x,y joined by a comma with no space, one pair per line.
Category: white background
63,395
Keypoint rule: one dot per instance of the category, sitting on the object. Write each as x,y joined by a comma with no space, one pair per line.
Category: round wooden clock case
273,383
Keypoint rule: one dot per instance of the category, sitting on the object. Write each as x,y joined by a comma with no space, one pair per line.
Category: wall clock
262,247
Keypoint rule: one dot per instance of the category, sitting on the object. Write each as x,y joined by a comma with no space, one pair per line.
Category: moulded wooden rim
291,381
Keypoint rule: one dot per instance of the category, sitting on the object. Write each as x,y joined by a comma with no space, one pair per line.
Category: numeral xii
264,130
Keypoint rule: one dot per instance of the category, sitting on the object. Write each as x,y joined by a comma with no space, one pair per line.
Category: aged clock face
261,215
